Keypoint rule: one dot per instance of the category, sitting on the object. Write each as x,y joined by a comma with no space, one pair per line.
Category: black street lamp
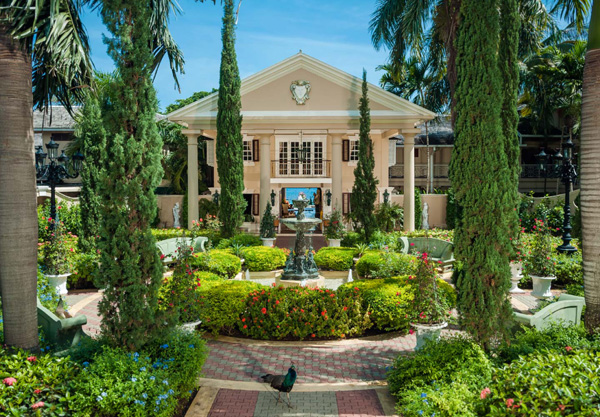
216,198
568,176
55,171
386,196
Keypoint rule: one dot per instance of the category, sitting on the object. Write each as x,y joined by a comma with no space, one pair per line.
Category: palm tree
421,27
423,83
44,51
590,173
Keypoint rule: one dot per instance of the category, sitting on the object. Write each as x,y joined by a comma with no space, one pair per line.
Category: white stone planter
516,270
427,332
267,241
541,286
334,243
59,282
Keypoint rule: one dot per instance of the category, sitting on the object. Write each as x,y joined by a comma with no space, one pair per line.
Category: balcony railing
439,171
294,168
534,171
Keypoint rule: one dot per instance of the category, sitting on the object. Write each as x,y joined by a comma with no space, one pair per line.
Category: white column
192,177
336,171
265,171
409,181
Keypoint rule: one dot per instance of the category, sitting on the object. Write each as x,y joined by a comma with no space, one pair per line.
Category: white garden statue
176,223
425,222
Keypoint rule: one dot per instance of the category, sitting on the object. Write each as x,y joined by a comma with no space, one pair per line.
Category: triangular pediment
334,94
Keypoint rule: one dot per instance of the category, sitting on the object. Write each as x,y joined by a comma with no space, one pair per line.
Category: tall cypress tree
364,190
479,175
131,270
510,24
91,134
229,132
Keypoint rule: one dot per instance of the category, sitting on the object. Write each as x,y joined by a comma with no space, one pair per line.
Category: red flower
345,308
264,310
276,301
568,348
37,405
243,319
245,326
411,331
484,393
32,359
312,335
37,391
324,312
9,381
561,407
510,402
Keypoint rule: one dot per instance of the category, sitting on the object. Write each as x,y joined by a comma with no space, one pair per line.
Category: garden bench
169,247
566,310
438,250
62,333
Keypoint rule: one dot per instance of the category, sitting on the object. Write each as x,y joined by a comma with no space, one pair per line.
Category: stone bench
61,333
438,250
566,310
168,247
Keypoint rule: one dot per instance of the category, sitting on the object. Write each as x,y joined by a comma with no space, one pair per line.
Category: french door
301,158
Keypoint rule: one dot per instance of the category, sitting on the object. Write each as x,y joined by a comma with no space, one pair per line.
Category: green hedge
389,300
242,239
335,259
263,258
303,313
214,236
375,264
218,262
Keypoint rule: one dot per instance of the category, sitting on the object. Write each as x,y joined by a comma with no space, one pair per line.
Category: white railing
295,168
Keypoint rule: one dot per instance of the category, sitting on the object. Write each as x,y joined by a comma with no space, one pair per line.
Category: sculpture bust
176,216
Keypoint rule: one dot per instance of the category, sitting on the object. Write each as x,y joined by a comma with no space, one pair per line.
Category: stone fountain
300,267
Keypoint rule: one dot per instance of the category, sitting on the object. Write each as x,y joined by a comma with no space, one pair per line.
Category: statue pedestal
310,283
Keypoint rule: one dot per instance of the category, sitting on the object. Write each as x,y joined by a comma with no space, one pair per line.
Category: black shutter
255,150
346,203
345,150
255,204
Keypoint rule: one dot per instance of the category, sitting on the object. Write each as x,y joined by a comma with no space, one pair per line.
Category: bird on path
282,383
60,310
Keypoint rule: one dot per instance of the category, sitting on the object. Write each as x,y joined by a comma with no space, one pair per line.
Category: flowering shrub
34,385
303,313
377,264
538,260
547,383
436,399
68,214
335,229
139,384
218,262
428,306
58,251
335,259
262,258
84,266
178,293
210,222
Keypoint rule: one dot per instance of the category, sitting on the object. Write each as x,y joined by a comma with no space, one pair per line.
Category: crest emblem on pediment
300,90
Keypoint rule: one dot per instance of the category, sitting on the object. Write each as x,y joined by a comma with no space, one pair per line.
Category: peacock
282,383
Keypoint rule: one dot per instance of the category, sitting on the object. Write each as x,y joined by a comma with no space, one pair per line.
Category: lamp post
55,171
216,198
568,175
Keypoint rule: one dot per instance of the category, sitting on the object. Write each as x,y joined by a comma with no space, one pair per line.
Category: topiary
377,264
335,259
262,258
218,262
267,224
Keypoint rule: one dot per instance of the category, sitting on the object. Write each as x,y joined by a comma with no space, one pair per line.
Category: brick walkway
236,403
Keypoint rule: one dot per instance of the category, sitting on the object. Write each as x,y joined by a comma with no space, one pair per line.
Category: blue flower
142,369
144,395
166,367
423,395
171,392
164,346
133,379
157,402
192,346
420,412
103,394
165,382
152,378
98,398
86,364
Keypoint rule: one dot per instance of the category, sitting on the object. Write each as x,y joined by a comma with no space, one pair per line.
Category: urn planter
59,282
541,286
516,270
427,332
268,241
334,243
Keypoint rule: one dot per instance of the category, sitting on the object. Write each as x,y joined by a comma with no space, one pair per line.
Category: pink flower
561,407
32,359
484,393
510,402
37,391
9,381
412,244
411,331
39,404
568,348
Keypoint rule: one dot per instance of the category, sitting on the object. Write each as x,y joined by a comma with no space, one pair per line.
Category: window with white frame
248,151
353,150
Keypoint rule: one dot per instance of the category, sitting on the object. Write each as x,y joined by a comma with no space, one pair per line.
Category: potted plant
539,264
334,231
267,227
429,310
56,265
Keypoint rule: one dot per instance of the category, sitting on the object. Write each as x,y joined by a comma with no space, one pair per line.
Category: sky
268,31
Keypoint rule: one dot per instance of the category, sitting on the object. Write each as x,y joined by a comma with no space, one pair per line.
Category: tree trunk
18,218
590,173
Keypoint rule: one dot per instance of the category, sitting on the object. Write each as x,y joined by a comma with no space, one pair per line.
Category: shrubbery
218,262
241,239
262,258
303,313
376,264
335,259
